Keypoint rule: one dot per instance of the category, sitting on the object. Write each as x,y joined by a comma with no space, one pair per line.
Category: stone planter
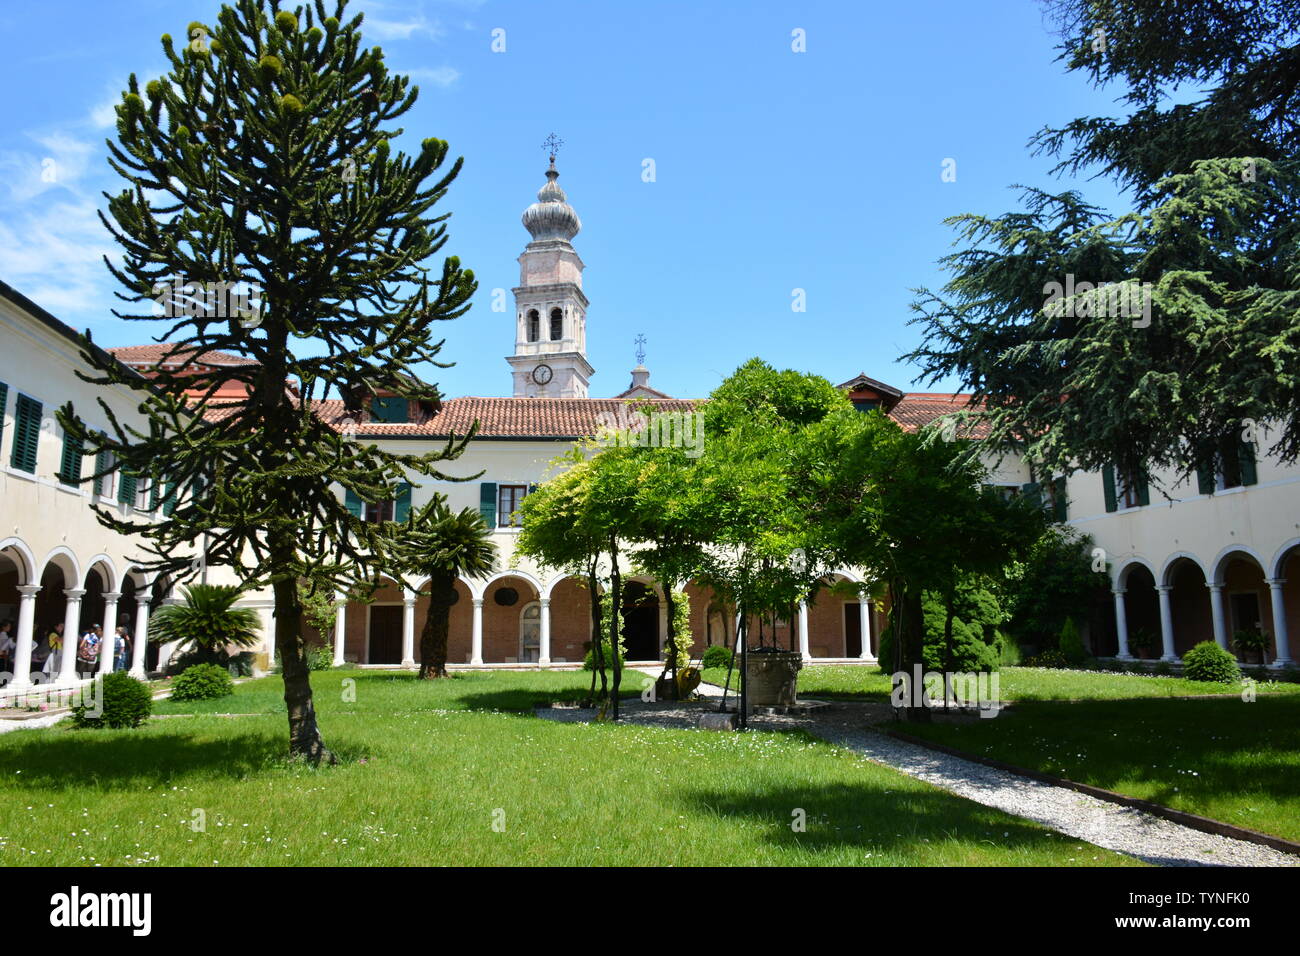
771,677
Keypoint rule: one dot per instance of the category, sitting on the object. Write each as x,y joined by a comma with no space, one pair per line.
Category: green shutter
125,487
390,408
153,494
1034,492
1108,487
1246,456
4,401
403,506
169,499
101,466
1143,490
27,433
70,468
1205,469
1060,505
487,502
353,502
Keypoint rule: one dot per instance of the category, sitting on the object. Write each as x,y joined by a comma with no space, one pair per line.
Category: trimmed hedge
715,655
203,682
126,702
1209,662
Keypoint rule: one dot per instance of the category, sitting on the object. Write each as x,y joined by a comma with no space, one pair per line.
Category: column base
410,662
1281,663
1125,657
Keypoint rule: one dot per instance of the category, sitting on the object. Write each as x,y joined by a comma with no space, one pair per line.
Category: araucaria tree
263,159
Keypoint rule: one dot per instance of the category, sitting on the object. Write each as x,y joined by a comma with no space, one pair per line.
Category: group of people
47,653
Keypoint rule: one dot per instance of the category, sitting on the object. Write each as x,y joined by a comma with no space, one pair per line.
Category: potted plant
1142,641
1250,640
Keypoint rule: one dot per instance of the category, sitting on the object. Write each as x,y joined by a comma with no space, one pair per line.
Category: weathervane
552,146
640,349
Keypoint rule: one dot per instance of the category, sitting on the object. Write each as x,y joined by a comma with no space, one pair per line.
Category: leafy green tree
1211,252
445,545
912,506
1054,581
264,157
206,624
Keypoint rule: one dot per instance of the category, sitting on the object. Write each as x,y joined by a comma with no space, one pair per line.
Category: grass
865,682
430,766
1220,758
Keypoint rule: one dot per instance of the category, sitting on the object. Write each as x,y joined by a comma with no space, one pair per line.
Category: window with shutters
1228,463
557,325
1131,489
143,493
509,498
4,406
379,511
70,466
107,474
534,325
27,433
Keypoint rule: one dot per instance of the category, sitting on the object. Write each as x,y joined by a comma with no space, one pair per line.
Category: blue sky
774,170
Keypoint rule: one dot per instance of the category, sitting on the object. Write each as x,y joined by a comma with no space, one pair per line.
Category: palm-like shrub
1251,640
445,545
206,624
1208,661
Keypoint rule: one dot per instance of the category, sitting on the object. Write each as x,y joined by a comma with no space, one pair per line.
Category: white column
544,640
1166,622
408,628
803,631
166,651
1217,616
476,634
1121,624
108,646
340,627
26,622
141,640
1280,637
71,635
864,610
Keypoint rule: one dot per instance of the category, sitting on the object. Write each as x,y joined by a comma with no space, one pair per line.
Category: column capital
478,602
544,602
409,601
29,590
111,596
1275,582
1214,585
1119,590
1164,588
74,594
142,600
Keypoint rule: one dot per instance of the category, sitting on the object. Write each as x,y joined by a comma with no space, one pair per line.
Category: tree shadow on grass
133,760
877,819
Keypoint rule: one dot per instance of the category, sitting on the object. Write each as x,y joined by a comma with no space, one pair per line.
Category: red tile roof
148,355
917,409
522,418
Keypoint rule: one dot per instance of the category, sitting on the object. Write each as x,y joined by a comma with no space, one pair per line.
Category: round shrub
203,682
715,655
1071,644
589,661
122,702
1209,662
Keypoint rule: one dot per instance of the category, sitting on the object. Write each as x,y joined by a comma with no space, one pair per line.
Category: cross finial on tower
552,145
640,349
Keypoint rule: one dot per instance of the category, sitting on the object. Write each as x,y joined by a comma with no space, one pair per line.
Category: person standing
55,658
122,648
88,649
7,646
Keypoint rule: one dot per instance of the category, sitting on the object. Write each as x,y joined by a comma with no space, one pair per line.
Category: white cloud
443,76
61,161
401,29
53,256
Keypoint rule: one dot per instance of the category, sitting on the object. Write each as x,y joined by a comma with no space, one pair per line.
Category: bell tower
550,358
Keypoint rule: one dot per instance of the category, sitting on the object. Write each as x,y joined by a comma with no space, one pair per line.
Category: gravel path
1123,829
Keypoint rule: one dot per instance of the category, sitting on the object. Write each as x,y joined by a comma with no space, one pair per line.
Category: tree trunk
947,648
304,736
912,640
616,595
437,623
597,656
670,647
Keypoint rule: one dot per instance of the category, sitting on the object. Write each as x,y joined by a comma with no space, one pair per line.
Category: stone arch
108,574
1278,564
1189,601
1240,572
482,589
1168,567
1125,566
16,550
66,560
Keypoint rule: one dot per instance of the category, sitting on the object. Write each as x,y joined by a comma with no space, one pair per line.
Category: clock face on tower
542,374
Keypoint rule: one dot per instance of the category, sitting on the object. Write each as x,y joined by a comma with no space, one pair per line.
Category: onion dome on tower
551,217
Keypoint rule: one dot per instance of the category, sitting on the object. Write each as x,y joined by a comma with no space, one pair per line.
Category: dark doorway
852,631
385,634
640,622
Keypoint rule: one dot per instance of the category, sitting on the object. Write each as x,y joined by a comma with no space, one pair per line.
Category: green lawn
1220,758
865,682
429,766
